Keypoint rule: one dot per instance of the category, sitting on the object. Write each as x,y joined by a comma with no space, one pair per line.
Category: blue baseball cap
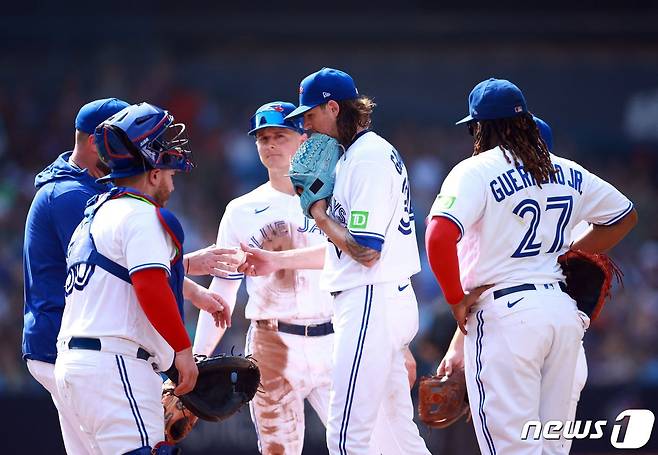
93,114
274,115
545,132
493,99
322,86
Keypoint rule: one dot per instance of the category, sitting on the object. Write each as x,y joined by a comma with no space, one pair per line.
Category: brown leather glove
179,421
589,279
443,400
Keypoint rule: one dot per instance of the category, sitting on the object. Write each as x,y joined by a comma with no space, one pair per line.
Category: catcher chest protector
82,256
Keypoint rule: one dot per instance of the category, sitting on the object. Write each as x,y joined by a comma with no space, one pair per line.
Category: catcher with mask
128,251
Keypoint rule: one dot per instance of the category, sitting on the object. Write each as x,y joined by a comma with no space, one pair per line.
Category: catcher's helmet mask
123,137
140,138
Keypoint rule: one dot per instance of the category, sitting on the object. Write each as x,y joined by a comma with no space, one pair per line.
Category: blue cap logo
493,99
274,115
322,86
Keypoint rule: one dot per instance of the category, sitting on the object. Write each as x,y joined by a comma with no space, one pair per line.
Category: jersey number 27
529,245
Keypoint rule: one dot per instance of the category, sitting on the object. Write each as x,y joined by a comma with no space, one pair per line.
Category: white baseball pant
520,356
293,368
75,441
115,399
370,402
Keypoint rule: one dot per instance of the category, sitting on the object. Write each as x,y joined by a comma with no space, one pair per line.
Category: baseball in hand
241,256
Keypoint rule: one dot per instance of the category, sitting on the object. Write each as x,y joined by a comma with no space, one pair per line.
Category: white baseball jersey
128,232
372,199
511,229
269,219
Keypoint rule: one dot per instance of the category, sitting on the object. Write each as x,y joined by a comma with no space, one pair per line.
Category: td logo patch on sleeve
358,219
445,202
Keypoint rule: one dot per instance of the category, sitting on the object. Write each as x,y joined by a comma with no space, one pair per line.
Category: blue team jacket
57,209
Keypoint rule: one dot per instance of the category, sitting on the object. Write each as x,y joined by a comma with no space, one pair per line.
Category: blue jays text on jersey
276,228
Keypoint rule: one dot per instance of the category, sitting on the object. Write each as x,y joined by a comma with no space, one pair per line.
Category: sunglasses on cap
273,118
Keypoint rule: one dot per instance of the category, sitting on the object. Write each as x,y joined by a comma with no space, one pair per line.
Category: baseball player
122,322
367,267
498,225
291,335
63,189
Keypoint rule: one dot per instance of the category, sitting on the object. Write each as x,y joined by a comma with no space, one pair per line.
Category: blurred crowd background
592,74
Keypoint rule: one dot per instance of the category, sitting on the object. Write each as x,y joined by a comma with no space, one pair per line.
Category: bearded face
164,187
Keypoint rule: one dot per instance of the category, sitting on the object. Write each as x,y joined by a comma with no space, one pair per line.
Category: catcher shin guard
164,448
161,448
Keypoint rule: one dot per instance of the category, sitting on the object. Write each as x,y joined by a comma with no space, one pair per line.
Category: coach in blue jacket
63,189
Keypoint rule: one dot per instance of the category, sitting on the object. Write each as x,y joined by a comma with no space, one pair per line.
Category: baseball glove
589,279
443,400
312,169
179,421
225,383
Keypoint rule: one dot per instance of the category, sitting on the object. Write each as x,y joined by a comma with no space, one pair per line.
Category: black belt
317,330
526,287
94,344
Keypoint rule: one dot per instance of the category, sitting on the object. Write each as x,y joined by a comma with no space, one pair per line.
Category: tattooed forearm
362,254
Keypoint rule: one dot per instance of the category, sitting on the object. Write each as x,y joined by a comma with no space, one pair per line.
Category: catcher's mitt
589,279
179,421
224,384
312,169
443,400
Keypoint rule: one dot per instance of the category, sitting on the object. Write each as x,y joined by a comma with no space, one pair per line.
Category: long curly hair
521,142
352,115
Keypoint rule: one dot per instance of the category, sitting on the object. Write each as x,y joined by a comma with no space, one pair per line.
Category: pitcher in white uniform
291,334
497,227
367,268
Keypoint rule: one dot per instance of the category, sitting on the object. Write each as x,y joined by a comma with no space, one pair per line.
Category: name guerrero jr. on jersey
502,212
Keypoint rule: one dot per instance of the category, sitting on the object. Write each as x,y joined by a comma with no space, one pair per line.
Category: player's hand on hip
259,262
461,310
187,371
213,261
